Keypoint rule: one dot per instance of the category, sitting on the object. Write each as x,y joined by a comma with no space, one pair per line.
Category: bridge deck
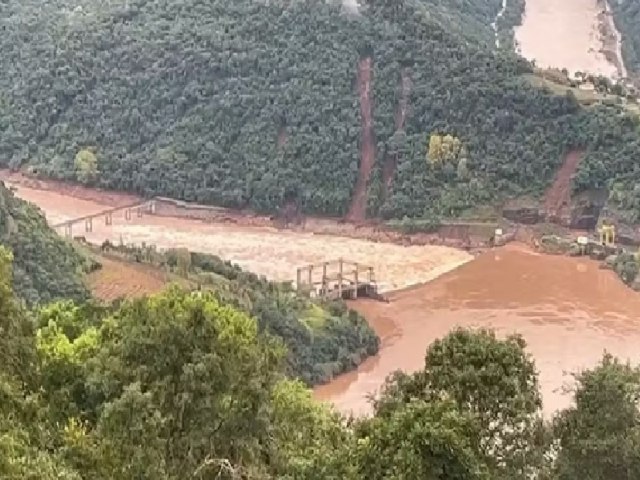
73,221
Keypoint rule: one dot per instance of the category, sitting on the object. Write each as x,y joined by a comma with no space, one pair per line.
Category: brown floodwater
569,311
566,34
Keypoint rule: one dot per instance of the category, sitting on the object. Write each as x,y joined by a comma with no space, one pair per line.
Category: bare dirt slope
119,279
358,209
558,197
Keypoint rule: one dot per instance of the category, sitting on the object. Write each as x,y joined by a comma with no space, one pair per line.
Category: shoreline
371,230
611,39
585,29
254,243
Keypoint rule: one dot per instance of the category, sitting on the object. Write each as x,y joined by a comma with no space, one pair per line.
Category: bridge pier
355,282
139,212
68,230
88,225
108,219
127,214
340,279
152,207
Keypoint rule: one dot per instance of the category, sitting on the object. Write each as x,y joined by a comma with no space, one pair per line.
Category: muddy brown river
566,34
569,310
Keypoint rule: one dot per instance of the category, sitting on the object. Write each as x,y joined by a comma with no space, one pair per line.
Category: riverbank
253,242
371,231
611,39
567,309
578,35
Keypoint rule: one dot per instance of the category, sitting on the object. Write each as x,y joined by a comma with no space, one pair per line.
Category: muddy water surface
568,310
266,251
566,34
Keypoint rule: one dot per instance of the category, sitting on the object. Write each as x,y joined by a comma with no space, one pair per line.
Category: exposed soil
282,137
568,310
558,198
119,279
358,209
391,161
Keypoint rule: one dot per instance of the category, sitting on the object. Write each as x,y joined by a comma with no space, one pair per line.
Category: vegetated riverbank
510,289
578,35
373,231
251,241
568,309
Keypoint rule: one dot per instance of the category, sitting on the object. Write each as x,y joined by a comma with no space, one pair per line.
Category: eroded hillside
249,104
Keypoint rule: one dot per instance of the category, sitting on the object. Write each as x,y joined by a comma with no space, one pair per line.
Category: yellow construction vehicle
607,234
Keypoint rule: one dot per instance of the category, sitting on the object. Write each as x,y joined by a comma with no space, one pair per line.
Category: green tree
45,267
493,380
186,385
309,439
599,437
431,440
86,164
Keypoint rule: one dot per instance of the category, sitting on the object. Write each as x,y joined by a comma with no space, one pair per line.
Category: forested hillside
245,103
323,339
182,385
626,14
45,266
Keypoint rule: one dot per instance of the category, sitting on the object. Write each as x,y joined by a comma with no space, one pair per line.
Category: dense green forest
182,385
45,267
323,339
253,104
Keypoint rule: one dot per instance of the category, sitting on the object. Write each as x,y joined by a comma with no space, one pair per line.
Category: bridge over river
140,208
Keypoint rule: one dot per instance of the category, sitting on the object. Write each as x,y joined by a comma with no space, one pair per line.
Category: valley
167,168
568,310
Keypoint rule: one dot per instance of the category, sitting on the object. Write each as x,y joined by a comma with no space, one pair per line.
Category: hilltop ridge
238,104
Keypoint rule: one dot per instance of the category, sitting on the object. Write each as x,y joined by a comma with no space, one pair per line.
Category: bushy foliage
181,385
627,19
248,103
323,339
45,267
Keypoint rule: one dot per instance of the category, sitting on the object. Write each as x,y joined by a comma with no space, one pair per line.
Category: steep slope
195,100
323,339
45,267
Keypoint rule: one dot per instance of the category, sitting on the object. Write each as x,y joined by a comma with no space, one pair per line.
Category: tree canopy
45,267
244,103
182,385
